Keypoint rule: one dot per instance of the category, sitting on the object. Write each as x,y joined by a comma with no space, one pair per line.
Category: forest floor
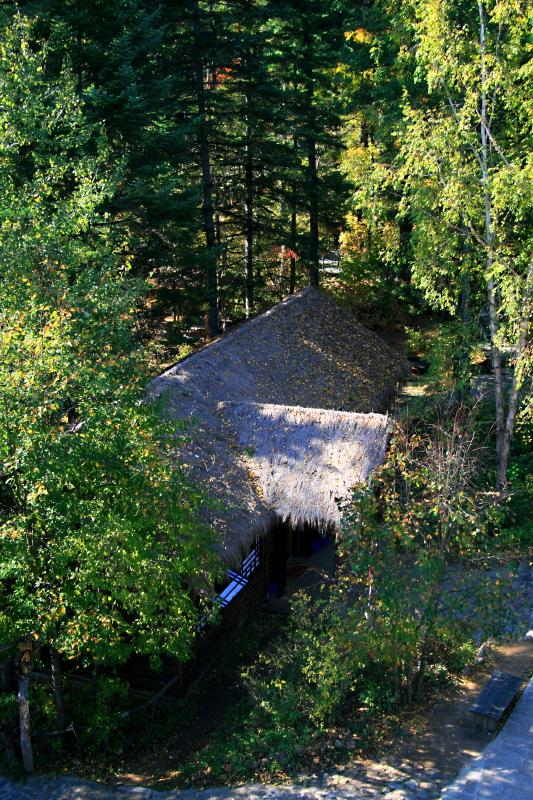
434,741
421,757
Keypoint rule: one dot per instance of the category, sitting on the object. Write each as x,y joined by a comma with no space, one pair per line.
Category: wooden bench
495,698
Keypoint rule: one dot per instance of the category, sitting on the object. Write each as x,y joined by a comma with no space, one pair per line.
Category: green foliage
98,535
517,521
375,241
96,707
101,172
400,618
99,705
299,687
401,538
373,301
417,341
440,168
449,357
8,709
270,87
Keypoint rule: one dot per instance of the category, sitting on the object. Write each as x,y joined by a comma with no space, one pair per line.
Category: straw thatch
307,460
273,401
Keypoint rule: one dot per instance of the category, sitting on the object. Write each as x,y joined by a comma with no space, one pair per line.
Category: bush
450,353
302,682
517,520
373,305
400,618
397,609
98,712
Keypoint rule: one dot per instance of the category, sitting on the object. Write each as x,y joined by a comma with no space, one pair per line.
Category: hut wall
282,538
208,644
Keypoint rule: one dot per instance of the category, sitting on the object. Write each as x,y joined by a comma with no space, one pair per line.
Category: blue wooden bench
495,698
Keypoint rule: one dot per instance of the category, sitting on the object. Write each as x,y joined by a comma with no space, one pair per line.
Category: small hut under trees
283,420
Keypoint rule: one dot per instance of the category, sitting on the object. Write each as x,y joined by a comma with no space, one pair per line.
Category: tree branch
493,140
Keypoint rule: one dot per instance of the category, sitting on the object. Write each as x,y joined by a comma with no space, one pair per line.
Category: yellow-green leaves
100,550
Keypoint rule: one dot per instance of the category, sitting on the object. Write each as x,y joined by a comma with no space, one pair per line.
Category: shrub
404,605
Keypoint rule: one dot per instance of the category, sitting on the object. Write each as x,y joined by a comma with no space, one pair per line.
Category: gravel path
376,781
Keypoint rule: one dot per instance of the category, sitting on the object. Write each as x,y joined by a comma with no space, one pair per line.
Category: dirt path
446,736
435,743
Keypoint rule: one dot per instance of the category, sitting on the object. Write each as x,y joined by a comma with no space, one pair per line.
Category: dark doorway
286,542
279,555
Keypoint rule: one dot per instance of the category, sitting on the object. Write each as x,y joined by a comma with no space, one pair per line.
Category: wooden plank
497,695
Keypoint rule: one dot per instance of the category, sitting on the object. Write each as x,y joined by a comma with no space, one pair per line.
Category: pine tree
310,37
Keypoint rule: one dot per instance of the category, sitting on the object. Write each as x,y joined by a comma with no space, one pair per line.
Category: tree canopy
91,507
170,169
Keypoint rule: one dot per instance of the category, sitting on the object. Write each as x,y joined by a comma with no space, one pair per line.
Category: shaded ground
445,736
436,744
433,743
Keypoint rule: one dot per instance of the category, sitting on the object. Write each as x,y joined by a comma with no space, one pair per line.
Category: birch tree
466,175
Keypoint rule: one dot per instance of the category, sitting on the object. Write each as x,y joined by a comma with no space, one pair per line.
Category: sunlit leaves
101,553
440,170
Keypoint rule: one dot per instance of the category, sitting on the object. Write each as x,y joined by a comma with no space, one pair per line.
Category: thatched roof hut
281,414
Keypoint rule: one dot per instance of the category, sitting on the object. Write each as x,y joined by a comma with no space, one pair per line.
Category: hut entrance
280,550
291,552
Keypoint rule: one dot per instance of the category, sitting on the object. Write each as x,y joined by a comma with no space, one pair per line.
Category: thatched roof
271,406
306,460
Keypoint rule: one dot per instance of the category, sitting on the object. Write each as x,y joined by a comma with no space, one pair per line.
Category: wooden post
57,686
23,698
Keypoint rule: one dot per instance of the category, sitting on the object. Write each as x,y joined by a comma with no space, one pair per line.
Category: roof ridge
245,326
223,403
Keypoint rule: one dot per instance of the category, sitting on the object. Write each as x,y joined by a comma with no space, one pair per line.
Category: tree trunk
314,273
464,299
421,674
292,234
525,322
208,215
409,685
57,687
23,699
396,676
312,172
489,240
292,245
462,363
248,211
